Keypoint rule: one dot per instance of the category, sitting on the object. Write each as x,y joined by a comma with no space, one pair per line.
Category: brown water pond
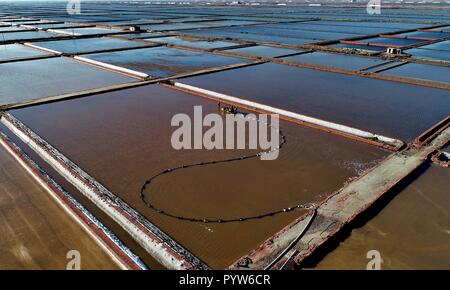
122,138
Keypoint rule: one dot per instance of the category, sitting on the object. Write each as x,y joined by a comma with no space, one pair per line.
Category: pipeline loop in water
147,183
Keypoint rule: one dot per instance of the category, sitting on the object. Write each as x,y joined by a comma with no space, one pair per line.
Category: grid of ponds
261,54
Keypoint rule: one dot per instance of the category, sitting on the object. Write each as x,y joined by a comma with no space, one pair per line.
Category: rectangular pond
389,25
418,214
172,26
82,45
163,61
55,25
26,35
87,31
361,30
359,47
141,35
429,54
342,61
135,123
223,32
36,232
263,51
422,72
391,41
272,30
192,42
443,45
8,29
426,34
390,108
129,22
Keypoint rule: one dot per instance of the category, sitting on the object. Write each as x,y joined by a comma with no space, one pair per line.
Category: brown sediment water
36,233
122,138
411,232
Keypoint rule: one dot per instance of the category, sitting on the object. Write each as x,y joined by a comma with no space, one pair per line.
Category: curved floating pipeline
150,205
